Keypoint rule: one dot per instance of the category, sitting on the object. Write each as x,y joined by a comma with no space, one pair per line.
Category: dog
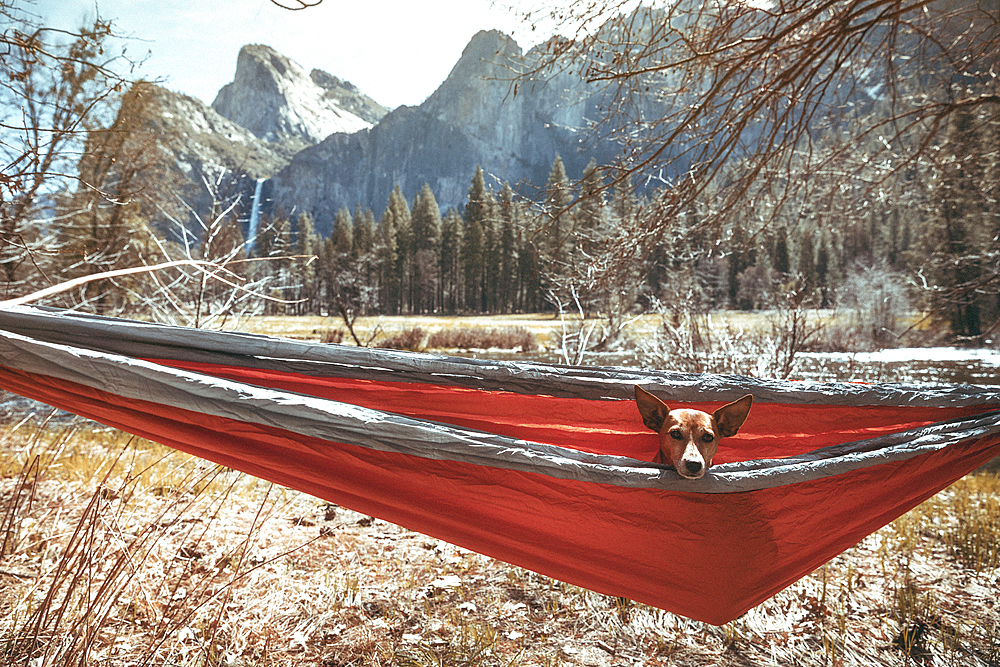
689,439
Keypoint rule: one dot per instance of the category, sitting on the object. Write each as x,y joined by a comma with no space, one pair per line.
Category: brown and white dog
689,439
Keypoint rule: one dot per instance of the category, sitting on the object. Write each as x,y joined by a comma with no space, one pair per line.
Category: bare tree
53,86
214,284
751,110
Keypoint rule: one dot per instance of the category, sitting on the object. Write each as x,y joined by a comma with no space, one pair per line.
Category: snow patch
908,354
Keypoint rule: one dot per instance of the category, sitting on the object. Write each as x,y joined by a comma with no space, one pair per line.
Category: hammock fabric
545,467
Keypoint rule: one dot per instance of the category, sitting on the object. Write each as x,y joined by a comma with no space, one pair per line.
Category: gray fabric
340,422
153,341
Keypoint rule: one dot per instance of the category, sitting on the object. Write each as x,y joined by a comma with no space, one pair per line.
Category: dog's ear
653,410
730,417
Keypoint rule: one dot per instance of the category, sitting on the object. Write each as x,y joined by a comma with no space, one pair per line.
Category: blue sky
396,51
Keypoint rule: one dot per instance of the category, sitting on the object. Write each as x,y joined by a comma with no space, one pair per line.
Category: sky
396,51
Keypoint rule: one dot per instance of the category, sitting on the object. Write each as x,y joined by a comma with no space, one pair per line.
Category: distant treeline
503,254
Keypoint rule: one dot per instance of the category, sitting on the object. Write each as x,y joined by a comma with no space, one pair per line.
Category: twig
104,275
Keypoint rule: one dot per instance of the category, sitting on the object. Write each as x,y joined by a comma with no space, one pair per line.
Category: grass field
545,326
116,551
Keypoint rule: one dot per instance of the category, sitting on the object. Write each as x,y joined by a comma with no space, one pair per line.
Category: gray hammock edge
156,341
338,422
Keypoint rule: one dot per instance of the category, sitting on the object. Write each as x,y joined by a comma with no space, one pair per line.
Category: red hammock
545,467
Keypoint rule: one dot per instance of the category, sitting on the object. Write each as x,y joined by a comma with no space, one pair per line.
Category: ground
121,552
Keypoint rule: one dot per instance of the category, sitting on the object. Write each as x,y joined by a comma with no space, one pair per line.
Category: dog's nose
693,467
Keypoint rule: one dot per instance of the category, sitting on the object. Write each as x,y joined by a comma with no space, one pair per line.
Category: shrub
332,336
409,339
878,298
466,338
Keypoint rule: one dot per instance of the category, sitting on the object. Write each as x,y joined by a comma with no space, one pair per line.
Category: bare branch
297,4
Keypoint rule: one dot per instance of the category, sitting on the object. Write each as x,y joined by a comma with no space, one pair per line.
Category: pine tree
782,260
807,265
559,196
958,238
280,251
472,263
823,272
364,230
451,265
343,237
491,255
475,207
364,251
510,222
473,242
588,242
387,260
327,268
426,225
530,296
624,205
307,244
590,221
336,262
399,210
741,257
263,243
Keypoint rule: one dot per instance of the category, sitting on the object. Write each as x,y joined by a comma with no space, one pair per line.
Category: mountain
324,145
193,146
258,122
473,118
274,98
199,140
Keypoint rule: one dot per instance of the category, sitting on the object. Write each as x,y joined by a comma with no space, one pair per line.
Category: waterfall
254,215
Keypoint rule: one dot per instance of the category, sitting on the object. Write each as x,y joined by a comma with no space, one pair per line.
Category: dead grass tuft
332,336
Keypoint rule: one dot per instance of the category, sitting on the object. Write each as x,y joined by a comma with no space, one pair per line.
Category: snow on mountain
273,97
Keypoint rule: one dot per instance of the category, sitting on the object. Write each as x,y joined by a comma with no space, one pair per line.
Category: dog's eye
707,437
676,435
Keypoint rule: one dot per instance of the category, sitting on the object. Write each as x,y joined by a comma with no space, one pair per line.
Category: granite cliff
195,146
324,145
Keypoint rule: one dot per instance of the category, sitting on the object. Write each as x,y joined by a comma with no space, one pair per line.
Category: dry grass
488,331
119,552
543,332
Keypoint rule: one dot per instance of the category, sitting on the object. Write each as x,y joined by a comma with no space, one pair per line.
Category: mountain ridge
272,96
474,118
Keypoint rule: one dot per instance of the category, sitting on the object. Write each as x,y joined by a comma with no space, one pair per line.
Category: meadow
118,551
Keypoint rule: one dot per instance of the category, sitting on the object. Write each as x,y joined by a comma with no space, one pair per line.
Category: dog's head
690,438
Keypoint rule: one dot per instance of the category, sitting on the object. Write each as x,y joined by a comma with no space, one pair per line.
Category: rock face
199,140
324,145
473,118
256,125
199,145
274,98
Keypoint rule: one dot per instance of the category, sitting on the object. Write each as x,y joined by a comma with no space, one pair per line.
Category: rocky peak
473,93
347,96
472,119
273,97
196,157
